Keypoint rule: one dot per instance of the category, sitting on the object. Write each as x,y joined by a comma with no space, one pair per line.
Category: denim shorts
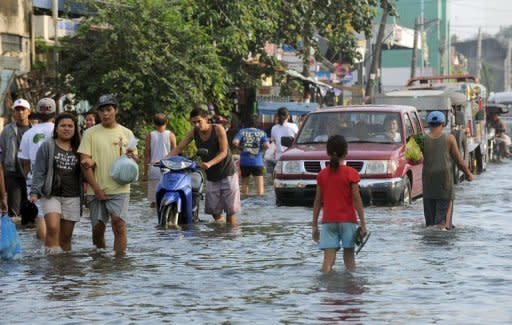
331,234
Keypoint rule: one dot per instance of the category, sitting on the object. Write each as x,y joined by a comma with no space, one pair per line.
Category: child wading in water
337,192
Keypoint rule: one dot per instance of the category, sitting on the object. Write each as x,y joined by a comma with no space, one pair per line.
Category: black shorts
437,210
251,170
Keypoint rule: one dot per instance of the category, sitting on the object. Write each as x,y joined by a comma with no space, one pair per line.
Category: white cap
46,106
21,102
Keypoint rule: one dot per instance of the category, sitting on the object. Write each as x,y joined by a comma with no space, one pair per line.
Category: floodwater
267,270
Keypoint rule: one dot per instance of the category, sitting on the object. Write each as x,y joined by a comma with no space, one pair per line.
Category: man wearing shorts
438,193
101,145
252,143
29,145
222,189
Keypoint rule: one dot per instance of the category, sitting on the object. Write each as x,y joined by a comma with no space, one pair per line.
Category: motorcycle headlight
176,165
379,167
292,167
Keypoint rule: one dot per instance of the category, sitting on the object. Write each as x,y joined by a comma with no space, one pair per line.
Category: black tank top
224,168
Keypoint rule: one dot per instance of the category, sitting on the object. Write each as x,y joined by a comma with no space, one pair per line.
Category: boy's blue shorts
331,234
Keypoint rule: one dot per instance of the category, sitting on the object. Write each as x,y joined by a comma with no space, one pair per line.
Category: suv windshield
378,127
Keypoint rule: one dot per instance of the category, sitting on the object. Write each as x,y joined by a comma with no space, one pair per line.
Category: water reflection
267,269
433,236
344,302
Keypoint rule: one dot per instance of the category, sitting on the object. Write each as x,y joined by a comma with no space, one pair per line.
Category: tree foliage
149,56
338,21
169,55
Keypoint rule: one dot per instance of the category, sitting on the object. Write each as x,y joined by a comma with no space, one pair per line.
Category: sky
467,15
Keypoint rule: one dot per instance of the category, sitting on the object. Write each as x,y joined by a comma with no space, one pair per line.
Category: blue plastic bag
10,245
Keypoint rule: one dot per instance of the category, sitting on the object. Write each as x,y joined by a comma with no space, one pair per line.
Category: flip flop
361,241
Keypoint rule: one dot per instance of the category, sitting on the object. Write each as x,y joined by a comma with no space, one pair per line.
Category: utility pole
507,67
377,49
55,16
478,54
415,47
422,31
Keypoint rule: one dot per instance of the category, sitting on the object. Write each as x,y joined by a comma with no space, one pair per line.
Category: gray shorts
437,210
223,195
67,207
116,205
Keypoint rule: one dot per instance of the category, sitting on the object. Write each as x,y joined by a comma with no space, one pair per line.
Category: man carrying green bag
438,190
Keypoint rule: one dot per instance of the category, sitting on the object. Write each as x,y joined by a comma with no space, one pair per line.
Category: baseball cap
107,99
436,117
20,102
46,106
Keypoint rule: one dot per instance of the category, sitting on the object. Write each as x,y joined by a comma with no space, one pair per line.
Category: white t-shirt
160,147
285,130
32,140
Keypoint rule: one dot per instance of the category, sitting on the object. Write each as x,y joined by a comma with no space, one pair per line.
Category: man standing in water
100,147
438,192
222,189
29,145
10,139
159,143
252,143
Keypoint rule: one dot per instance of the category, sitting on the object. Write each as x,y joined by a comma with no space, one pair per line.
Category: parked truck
462,100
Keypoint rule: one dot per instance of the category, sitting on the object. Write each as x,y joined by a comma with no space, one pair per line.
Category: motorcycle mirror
202,152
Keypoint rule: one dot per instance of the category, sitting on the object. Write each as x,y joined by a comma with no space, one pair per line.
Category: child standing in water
337,192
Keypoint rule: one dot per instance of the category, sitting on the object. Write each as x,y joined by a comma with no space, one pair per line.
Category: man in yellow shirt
101,145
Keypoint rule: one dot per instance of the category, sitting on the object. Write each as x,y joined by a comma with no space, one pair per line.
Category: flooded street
267,270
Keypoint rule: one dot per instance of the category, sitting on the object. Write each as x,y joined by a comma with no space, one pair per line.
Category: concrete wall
15,23
15,43
436,37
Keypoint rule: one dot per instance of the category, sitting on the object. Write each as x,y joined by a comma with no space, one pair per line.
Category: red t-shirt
338,205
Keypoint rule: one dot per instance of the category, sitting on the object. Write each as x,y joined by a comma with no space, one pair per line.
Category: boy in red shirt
337,192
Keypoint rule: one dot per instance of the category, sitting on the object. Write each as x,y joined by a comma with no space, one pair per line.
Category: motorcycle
179,191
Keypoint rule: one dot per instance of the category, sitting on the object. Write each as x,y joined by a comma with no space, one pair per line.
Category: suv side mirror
459,118
286,141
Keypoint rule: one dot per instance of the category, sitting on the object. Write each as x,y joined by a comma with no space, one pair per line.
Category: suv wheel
406,197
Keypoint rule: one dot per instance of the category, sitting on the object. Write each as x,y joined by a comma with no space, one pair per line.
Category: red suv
376,137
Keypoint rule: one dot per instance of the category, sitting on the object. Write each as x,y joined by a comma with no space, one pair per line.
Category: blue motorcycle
179,192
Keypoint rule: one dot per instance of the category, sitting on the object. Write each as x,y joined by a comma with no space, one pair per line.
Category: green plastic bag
413,151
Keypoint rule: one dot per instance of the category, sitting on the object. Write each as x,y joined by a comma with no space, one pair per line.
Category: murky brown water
267,270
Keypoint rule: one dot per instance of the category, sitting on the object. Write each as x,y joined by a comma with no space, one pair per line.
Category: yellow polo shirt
102,144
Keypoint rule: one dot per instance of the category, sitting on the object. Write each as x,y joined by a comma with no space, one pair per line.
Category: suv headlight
293,167
379,167
278,168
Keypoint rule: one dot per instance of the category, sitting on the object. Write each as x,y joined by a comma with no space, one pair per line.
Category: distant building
15,45
494,52
433,58
22,22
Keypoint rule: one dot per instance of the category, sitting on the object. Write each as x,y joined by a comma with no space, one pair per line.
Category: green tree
147,54
504,33
237,28
338,21
167,56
